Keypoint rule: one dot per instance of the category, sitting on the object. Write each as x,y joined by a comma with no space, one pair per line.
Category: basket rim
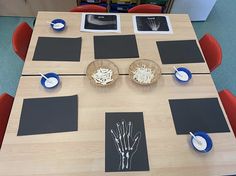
115,76
157,75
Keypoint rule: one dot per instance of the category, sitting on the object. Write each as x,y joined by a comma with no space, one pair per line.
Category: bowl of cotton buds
102,72
144,72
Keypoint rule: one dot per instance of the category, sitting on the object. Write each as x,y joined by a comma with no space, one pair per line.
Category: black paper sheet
125,146
198,115
115,46
57,49
49,115
182,51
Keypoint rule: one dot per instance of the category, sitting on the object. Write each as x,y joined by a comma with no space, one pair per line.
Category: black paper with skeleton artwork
125,143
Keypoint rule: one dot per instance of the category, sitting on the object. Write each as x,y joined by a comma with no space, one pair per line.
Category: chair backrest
6,102
229,102
21,39
211,50
146,8
89,8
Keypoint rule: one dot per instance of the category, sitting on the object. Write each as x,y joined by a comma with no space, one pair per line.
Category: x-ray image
100,22
152,24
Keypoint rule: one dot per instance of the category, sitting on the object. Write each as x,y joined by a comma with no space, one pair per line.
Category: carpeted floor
10,64
221,23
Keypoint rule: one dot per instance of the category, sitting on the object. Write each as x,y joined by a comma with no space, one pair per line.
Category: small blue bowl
50,75
58,21
208,141
187,71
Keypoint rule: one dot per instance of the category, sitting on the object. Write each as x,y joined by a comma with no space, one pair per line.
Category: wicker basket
148,64
97,64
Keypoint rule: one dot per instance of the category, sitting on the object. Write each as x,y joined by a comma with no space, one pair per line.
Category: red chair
229,102
89,8
211,50
21,39
6,102
145,8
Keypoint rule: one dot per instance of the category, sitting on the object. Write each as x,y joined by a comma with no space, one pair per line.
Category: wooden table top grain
182,30
83,152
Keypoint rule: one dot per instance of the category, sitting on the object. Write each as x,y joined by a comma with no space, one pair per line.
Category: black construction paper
152,23
198,115
49,115
134,150
57,49
100,22
115,46
182,51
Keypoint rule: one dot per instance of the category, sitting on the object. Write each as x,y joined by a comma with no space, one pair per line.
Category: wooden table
182,30
83,152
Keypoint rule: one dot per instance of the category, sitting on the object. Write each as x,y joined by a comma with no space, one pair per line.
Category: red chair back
229,102
89,8
6,102
211,50
146,8
21,39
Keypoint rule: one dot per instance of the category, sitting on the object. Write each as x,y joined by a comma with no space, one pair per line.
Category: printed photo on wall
125,142
152,24
100,23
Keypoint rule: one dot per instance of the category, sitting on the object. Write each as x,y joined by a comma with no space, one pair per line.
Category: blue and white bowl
58,24
183,75
52,82
206,142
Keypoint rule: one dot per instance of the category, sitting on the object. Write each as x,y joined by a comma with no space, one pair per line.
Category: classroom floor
10,64
220,23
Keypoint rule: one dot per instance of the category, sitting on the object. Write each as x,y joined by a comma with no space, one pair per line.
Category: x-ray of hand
153,24
125,143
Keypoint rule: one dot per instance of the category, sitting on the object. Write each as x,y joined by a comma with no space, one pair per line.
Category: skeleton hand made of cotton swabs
125,143
153,24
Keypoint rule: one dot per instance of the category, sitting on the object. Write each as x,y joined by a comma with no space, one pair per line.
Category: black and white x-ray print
100,22
152,23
